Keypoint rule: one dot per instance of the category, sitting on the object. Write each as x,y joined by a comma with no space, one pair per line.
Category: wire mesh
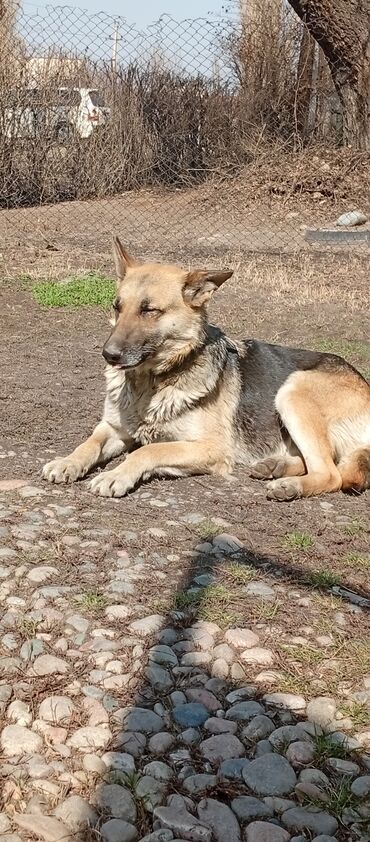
215,133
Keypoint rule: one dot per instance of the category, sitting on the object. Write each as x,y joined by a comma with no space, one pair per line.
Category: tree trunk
304,83
342,29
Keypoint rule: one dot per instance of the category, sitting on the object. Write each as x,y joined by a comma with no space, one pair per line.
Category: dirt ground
52,392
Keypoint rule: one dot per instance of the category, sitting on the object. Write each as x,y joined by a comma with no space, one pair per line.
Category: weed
28,628
187,599
127,779
323,578
307,655
207,529
338,798
326,747
358,712
356,527
216,606
80,291
357,561
92,600
266,610
298,541
240,573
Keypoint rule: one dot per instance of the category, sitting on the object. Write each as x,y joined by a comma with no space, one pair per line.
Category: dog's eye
116,306
147,310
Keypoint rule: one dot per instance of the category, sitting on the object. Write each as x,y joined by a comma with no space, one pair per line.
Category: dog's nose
111,353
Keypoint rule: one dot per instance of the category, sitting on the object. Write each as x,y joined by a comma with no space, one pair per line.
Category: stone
90,738
260,726
196,659
288,701
119,761
56,709
190,736
262,747
158,770
151,791
241,694
190,715
244,711
16,740
300,818
204,697
220,819
19,712
49,665
4,823
270,774
147,625
261,589
265,832
361,786
220,668
117,801
232,770
284,735
216,725
44,827
159,678
132,742
161,743
12,484
144,721
182,823
117,830
92,763
257,655
321,710
225,544
300,754
346,768
117,612
221,747
163,655
247,808
241,638
195,784
76,813
224,651
160,836
41,573
351,219
314,776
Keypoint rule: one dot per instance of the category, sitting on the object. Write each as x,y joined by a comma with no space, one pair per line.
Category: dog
184,399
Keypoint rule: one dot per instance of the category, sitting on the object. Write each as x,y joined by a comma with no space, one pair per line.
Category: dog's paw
263,469
65,469
284,490
111,484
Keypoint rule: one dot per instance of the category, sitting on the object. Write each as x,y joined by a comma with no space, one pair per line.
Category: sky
142,12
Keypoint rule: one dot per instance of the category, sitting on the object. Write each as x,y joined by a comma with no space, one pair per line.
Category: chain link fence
209,134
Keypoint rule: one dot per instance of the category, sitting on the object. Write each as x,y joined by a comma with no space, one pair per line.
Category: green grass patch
207,529
357,561
326,747
90,290
92,601
298,541
323,578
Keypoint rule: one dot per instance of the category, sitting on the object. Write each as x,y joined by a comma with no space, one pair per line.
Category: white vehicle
59,114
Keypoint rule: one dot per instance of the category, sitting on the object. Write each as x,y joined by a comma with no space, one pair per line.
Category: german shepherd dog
182,398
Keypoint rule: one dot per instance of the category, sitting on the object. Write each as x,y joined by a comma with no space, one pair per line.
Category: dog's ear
122,259
201,284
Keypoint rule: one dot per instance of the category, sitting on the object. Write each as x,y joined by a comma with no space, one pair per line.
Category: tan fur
186,424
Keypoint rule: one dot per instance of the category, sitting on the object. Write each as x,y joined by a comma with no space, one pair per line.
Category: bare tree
342,29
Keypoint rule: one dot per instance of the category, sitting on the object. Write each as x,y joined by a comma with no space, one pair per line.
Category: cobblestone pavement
159,681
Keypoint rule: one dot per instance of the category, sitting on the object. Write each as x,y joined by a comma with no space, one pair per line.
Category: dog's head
159,312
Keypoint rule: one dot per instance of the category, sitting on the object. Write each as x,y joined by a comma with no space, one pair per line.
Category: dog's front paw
111,484
284,490
65,469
